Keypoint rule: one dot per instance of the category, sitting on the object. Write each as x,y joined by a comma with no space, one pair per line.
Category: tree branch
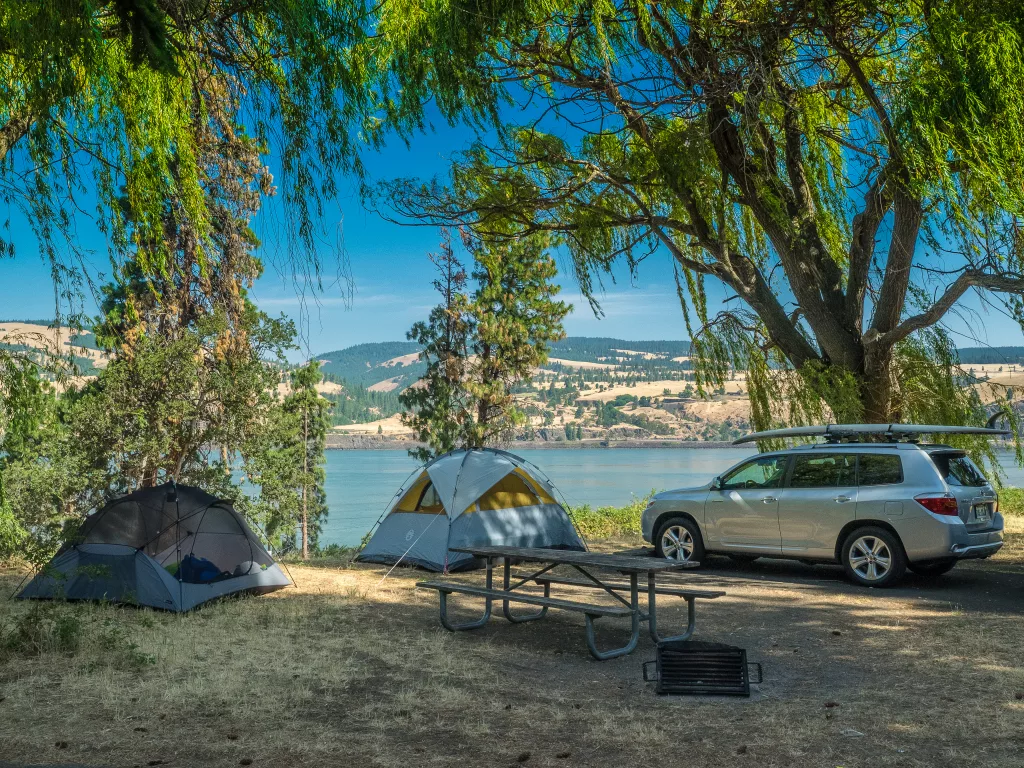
954,291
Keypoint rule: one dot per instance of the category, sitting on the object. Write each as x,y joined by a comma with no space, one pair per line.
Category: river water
361,484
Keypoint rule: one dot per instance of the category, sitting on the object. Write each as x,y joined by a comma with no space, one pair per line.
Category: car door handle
843,499
769,499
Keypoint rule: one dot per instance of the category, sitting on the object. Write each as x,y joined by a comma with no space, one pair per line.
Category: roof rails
891,433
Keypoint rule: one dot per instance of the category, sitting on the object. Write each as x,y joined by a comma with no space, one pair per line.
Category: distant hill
369,364
39,338
991,355
588,349
392,364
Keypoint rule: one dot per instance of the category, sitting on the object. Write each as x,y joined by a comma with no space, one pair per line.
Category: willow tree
848,171
98,101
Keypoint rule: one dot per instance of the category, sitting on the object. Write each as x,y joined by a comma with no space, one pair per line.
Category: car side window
830,470
759,473
879,469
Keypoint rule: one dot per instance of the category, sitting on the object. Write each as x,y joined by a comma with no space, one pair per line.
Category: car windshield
957,469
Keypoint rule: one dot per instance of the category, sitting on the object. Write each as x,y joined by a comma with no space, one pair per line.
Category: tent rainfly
170,547
477,497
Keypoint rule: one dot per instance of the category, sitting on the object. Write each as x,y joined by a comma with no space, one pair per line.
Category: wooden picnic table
584,563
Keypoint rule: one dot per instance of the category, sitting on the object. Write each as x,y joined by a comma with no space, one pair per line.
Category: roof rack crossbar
838,433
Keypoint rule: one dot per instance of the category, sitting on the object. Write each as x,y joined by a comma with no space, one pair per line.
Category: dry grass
344,670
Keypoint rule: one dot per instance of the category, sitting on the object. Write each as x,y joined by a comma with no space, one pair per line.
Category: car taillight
939,505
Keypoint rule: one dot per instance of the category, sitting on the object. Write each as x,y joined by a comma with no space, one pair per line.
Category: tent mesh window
508,493
196,541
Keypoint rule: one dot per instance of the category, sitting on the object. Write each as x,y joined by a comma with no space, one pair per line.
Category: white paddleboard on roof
891,431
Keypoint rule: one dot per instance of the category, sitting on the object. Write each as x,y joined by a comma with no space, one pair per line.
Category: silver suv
877,508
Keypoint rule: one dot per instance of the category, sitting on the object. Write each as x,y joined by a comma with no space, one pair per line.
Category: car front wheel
873,557
679,539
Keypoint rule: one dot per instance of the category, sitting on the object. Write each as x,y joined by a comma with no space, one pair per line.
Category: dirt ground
349,670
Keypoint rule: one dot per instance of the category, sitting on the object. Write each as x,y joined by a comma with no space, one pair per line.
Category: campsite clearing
344,669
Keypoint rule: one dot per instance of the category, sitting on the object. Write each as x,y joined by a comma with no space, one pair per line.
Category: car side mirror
716,484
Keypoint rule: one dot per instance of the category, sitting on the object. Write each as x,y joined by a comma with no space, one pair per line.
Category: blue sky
384,284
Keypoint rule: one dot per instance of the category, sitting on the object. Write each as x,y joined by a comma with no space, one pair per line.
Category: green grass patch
1011,501
606,522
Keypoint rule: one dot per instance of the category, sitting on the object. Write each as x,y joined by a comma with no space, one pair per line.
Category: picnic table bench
628,565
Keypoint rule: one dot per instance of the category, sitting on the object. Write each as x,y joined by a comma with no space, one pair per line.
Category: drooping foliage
847,171
99,101
193,365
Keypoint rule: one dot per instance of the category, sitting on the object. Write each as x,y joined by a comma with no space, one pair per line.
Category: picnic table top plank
621,563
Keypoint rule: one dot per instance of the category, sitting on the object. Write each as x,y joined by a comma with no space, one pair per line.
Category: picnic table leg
634,634
505,604
443,596
652,613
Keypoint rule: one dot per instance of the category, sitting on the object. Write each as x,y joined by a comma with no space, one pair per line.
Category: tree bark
16,128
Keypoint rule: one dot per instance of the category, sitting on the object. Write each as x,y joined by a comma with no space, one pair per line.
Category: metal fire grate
702,668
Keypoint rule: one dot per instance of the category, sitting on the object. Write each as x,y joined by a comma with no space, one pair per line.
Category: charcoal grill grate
694,667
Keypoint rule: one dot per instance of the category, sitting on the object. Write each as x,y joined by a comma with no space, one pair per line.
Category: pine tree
289,468
480,348
516,317
436,404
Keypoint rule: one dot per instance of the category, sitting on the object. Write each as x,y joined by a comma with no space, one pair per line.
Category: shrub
45,628
604,522
1011,501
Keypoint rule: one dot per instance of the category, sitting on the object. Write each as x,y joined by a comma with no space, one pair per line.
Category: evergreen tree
289,465
515,316
479,349
437,404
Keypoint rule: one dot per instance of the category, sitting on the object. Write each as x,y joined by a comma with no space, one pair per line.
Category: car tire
935,568
679,539
873,557
742,559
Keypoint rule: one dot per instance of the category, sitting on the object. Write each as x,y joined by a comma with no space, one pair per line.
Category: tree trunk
13,131
305,466
876,387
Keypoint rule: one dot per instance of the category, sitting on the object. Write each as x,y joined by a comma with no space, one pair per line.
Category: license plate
981,512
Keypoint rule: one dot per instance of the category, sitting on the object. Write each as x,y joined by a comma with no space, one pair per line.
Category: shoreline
387,443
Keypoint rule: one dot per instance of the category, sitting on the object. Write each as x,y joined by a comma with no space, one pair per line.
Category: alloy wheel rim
870,558
677,543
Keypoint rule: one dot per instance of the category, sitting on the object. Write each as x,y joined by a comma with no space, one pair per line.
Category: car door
878,476
820,497
742,512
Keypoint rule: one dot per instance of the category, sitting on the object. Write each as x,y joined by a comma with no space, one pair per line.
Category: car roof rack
889,433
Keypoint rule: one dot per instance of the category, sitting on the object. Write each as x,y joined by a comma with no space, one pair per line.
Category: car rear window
879,469
822,471
957,469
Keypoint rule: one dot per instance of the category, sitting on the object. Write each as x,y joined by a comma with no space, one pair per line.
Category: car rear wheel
679,539
936,568
873,557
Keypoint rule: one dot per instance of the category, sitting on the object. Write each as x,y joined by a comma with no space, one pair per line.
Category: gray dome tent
478,497
170,547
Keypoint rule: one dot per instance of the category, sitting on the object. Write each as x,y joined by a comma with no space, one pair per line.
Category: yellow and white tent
466,498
